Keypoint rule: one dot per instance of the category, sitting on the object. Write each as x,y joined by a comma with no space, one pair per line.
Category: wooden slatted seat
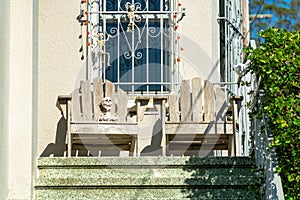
86,134
197,123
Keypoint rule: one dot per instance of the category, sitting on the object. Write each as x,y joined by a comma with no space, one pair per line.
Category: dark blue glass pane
111,72
140,67
140,88
141,4
111,5
154,5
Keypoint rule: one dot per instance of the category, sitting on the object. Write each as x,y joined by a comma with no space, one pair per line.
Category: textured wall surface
58,62
200,40
4,64
20,99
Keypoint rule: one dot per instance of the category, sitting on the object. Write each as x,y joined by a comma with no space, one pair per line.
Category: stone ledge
147,181
95,162
145,194
142,172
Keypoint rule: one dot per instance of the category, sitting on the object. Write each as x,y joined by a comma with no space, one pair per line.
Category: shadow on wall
58,148
154,149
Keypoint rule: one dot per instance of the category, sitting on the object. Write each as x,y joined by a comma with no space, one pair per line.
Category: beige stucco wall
200,31
4,65
40,61
19,105
58,62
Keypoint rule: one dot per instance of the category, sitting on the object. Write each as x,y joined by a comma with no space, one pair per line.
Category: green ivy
277,62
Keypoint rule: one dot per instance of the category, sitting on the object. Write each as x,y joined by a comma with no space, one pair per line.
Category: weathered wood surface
63,100
198,128
86,101
209,138
197,102
173,107
122,105
183,148
208,101
111,147
98,96
221,106
102,141
185,101
76,106
87,111
197,92
104,128
142,104
193,144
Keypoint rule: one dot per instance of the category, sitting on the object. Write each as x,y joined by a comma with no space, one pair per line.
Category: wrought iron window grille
133,43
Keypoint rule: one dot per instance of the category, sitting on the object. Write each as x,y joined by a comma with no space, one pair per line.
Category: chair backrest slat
208,101
122,105
185,101
76,106
173,107
97,96
197,92
221,105
86,101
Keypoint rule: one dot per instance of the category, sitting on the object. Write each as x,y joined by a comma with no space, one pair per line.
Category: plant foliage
277,62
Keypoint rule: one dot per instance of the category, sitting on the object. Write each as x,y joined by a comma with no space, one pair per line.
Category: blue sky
270,22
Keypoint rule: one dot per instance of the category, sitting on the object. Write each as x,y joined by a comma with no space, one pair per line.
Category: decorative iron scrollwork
125,34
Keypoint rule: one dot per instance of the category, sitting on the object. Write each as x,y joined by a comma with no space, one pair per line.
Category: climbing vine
277,63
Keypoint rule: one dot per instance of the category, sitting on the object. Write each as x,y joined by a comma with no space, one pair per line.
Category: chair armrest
62,99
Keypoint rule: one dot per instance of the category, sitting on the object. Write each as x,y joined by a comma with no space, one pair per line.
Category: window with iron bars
135,43
231,40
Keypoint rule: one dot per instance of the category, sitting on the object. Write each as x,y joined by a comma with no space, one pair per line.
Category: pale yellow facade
40,60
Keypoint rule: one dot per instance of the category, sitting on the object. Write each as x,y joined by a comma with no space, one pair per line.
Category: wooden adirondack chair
193,127
86,134
193,121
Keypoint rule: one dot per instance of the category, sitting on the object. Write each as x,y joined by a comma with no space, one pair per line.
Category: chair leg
70,139
167,145
132,146
230,145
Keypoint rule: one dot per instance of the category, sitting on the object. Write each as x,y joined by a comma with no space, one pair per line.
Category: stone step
142,172
145,194
107,162
145,178
146,181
